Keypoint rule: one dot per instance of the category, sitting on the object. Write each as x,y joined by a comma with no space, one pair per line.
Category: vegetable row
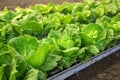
40,38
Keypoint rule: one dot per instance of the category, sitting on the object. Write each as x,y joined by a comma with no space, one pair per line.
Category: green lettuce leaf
28,47
32,74
29,24
6,15
14,72
2,71
38,58
93,49
51,62
5,57
25,45
41,8
65,8
92,33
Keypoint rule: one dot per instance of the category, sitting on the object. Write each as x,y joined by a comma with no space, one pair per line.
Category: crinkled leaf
42,75
51,62
81,53
86,39
32,74
94,31
65,43
5,58
7,15
2,71
14,72
66,61
93,49
71,51
3,48
25,45
41,8
38,58
116,18
65,8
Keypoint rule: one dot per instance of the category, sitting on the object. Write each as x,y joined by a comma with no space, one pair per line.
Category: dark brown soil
24,3
106,69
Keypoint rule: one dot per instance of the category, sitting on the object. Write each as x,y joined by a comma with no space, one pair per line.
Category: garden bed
79,35
79,67
106,69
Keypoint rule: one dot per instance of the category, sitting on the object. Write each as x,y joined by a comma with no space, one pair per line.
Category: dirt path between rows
106,69
25,3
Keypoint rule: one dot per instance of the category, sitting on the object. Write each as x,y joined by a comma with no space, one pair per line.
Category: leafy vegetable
39,39
51,62
32,74
93,33
2,71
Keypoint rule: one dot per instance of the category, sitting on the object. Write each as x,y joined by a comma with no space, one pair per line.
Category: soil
25,3
106,69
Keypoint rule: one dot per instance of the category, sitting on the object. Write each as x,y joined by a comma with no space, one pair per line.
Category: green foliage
32,74
2,71
38,39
